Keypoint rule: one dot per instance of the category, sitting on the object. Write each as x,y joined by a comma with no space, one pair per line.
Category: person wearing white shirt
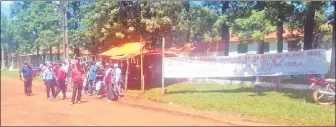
116,80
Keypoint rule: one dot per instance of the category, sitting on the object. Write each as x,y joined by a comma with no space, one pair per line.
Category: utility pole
63,6
65,29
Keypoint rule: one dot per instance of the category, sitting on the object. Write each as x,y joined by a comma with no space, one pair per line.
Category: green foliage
202,24
255,26
36,25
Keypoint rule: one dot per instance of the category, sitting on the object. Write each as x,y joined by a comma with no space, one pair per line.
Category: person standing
67,66
27,76
77,75
116,80
61,75
108,83
99,81
92,78
48,78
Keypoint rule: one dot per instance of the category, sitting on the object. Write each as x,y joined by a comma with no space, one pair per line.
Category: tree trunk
58,52
260,47
2,56
186,5
37,48
6,59
127,74
225,30
260,50
44,57
50,53
280,27
332,63
309,26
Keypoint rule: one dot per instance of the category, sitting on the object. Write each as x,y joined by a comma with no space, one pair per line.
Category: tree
202,24
276,12
37,26
4,39
254,27
225,30
310,23
186,4
332,64
227,12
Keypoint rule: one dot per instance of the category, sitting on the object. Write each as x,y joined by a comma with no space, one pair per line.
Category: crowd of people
92,78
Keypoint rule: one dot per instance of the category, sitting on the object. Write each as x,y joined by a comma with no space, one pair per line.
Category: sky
5,7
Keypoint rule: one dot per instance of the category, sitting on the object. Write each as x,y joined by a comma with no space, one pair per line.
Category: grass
15,74
291,106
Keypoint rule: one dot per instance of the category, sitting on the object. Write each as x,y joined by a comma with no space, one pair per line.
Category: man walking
108,78
67,67
61,76
49,80
92,78
116,80
77,81
27,77
99,81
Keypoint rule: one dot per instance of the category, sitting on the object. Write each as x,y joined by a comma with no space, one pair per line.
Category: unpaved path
19,110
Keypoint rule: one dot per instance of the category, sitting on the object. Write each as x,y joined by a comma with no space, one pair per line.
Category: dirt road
19,110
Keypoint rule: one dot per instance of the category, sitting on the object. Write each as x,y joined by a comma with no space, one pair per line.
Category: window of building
294,46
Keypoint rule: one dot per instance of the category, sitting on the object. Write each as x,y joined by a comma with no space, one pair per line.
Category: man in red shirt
61,75
77,75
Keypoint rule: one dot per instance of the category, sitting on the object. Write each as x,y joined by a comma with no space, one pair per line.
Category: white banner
289,63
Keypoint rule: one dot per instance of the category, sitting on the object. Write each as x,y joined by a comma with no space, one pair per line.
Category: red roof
286,34
210,46
215,46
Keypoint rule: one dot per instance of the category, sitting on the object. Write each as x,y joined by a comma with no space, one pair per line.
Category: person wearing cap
77,81
48,77
26,74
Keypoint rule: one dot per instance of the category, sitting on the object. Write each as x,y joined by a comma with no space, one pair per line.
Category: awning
128,48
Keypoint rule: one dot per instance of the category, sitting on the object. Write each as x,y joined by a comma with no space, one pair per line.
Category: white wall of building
252,49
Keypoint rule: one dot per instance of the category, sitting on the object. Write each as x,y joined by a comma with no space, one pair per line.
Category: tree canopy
34,26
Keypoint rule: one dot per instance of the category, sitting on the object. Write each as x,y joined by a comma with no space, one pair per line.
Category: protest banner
274,64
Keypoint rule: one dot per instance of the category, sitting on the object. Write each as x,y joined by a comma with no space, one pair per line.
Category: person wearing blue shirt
27,77
92,78
48,78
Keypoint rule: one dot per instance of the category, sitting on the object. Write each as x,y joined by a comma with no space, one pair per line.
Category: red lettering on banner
256,57
247,57
294,63
285,55
297,54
